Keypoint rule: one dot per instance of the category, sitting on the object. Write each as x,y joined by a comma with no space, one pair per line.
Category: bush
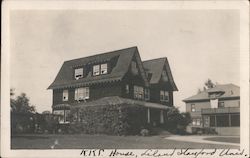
144,132
176,122
120,119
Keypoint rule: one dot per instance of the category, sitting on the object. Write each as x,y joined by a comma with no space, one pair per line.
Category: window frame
84,91
65,96
96,70
164,96
78,73
103,68
220,103
138,92
193,108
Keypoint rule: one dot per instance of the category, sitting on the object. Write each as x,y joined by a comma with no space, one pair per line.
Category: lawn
80,141
225,139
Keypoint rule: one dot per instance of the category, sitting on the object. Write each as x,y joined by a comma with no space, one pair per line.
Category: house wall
95,92
155,94
231,103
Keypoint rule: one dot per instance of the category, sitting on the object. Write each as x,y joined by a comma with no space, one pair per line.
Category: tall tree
21,104
209,84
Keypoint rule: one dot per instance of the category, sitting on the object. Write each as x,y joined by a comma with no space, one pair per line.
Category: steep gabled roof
229,91
65,79
155,67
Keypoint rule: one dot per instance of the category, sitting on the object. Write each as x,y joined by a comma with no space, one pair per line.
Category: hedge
119,119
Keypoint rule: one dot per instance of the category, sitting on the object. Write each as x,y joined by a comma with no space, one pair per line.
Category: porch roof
116,100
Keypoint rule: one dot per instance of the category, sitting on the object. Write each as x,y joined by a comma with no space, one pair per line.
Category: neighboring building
217,108
118,73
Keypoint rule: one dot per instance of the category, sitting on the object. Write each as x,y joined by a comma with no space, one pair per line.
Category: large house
119,73
217,108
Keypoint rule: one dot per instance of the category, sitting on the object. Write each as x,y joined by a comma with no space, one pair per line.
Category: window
147,94
96,70
63,116
82,93
134,69
198,122
164,76
222,120
65,95
221,104
127,88
100,69
104,68
193,107
78,73
235,120
164,96
138,92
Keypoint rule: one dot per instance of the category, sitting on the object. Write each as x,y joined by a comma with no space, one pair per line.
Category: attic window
134,68
164,96
100,69
78,73
104,68
164,76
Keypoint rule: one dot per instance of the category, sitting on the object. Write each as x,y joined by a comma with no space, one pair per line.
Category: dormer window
96,70
100,69
104,68
78,73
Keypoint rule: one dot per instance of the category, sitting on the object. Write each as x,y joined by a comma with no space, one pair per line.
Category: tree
209,84
174,120
21,104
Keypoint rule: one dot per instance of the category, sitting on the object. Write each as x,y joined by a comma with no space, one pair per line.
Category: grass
225,139
79,141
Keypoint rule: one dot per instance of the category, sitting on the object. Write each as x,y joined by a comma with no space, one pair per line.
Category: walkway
200,139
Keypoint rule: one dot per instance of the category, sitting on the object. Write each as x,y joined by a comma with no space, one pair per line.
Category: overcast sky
199,45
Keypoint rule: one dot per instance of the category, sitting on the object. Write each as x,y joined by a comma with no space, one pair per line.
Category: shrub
144,132
121,119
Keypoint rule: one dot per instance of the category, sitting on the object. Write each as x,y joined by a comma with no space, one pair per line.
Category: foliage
109,119
207,85
21,103
176,121
144,132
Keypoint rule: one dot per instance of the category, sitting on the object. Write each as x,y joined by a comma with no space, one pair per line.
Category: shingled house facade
119,73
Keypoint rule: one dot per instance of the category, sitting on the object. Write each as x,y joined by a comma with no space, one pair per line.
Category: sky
199,44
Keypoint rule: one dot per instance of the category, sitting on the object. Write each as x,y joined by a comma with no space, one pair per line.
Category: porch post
161,117
148,115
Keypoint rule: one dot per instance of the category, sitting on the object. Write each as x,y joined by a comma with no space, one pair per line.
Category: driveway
205,139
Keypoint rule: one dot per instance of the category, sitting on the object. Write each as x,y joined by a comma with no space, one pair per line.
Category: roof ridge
105,53
155,59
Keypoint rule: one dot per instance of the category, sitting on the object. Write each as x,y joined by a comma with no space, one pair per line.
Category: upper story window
78,73
100,69
147,94
127,88
193,107
134,68
65,95
164,96
104,68
138,92
221,104
164,76
82,93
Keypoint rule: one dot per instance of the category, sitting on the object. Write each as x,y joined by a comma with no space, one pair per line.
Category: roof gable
65,77
229,91
155,67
